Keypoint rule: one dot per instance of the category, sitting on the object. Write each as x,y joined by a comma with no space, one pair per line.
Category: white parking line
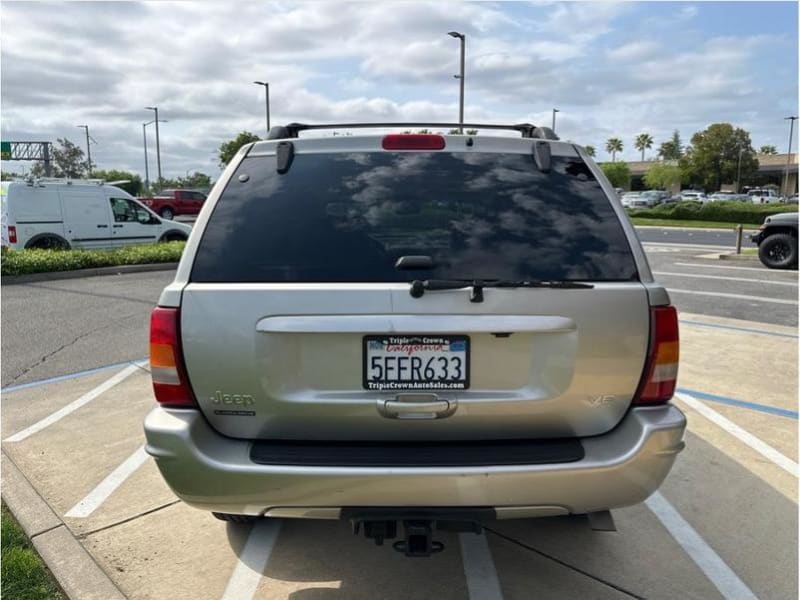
746,437
482,582
253,560
736,296
762,270
724,278
76,404
100,494
719,573
685,246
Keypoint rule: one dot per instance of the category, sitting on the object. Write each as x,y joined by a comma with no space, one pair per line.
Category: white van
65,213
764,196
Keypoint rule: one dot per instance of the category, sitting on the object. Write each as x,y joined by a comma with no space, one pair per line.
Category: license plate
416,362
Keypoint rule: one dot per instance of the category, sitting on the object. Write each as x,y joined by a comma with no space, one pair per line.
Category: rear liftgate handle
417,406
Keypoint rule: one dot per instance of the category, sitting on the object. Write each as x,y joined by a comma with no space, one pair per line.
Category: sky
612,69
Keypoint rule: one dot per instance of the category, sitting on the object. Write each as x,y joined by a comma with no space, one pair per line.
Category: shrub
725,212
23,262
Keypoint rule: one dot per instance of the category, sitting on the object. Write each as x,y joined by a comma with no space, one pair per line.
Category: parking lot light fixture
460,77
788,156
88,150
266,89
158,144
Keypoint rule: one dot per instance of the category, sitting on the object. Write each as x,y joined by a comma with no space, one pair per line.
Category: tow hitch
418,529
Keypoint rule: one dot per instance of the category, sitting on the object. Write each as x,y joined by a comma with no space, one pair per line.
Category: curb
79,273
74,569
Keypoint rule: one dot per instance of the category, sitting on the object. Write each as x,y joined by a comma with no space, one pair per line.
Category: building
771,170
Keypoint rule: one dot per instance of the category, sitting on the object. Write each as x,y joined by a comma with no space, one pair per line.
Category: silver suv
413,328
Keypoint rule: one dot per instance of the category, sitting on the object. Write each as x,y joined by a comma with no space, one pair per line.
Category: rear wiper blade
419,287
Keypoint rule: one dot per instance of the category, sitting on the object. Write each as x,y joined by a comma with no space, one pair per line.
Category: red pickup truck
170,203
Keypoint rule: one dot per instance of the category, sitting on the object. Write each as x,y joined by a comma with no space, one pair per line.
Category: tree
196,180
713,157
672,148
618,173
614,145
227,150
590,150
644,141
66,160
134,187
768,150
661,176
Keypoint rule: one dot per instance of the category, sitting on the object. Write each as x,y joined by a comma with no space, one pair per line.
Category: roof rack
526,129
67,180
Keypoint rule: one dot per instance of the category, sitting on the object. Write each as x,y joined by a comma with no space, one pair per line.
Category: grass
24,575
23,262
685,223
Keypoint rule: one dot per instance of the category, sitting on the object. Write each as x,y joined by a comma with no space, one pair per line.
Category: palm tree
613,145
644,141
768,150
590,150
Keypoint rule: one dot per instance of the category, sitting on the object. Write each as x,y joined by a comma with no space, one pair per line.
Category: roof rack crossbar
292,129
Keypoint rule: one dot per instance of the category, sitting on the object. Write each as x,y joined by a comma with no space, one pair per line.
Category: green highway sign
5,150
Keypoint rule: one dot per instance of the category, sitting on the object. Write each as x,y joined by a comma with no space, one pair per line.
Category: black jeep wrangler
777,241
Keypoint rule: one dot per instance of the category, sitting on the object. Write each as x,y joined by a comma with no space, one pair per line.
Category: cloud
68,63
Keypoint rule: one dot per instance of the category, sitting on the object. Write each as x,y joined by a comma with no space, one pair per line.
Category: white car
634,200
764,196
693,195
62,213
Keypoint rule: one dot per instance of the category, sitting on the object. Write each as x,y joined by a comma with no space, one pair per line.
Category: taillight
413,141
170,384
661,370
12,234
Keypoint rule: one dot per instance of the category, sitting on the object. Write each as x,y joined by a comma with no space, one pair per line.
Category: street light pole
788,155
158,144
555,110
266,89
146,167
144,138
88,150
739,172
460,77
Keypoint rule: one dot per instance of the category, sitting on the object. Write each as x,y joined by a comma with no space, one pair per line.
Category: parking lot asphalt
724,524
712,237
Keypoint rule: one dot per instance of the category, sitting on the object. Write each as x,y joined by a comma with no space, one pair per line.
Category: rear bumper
215,473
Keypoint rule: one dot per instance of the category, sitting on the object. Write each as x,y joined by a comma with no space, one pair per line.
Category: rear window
349,217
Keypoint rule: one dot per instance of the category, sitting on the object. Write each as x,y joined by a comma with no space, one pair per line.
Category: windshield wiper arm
418,287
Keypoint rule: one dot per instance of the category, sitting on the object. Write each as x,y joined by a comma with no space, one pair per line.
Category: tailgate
289,362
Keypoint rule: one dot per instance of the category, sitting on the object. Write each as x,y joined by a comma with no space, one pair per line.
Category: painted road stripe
482,582
75,405
732,328
766,408
736,296
31,384
686,246
116,478
253,560
746,437
762,270
724,278
718,573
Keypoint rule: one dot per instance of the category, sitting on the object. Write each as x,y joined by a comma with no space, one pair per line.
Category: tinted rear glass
349,217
